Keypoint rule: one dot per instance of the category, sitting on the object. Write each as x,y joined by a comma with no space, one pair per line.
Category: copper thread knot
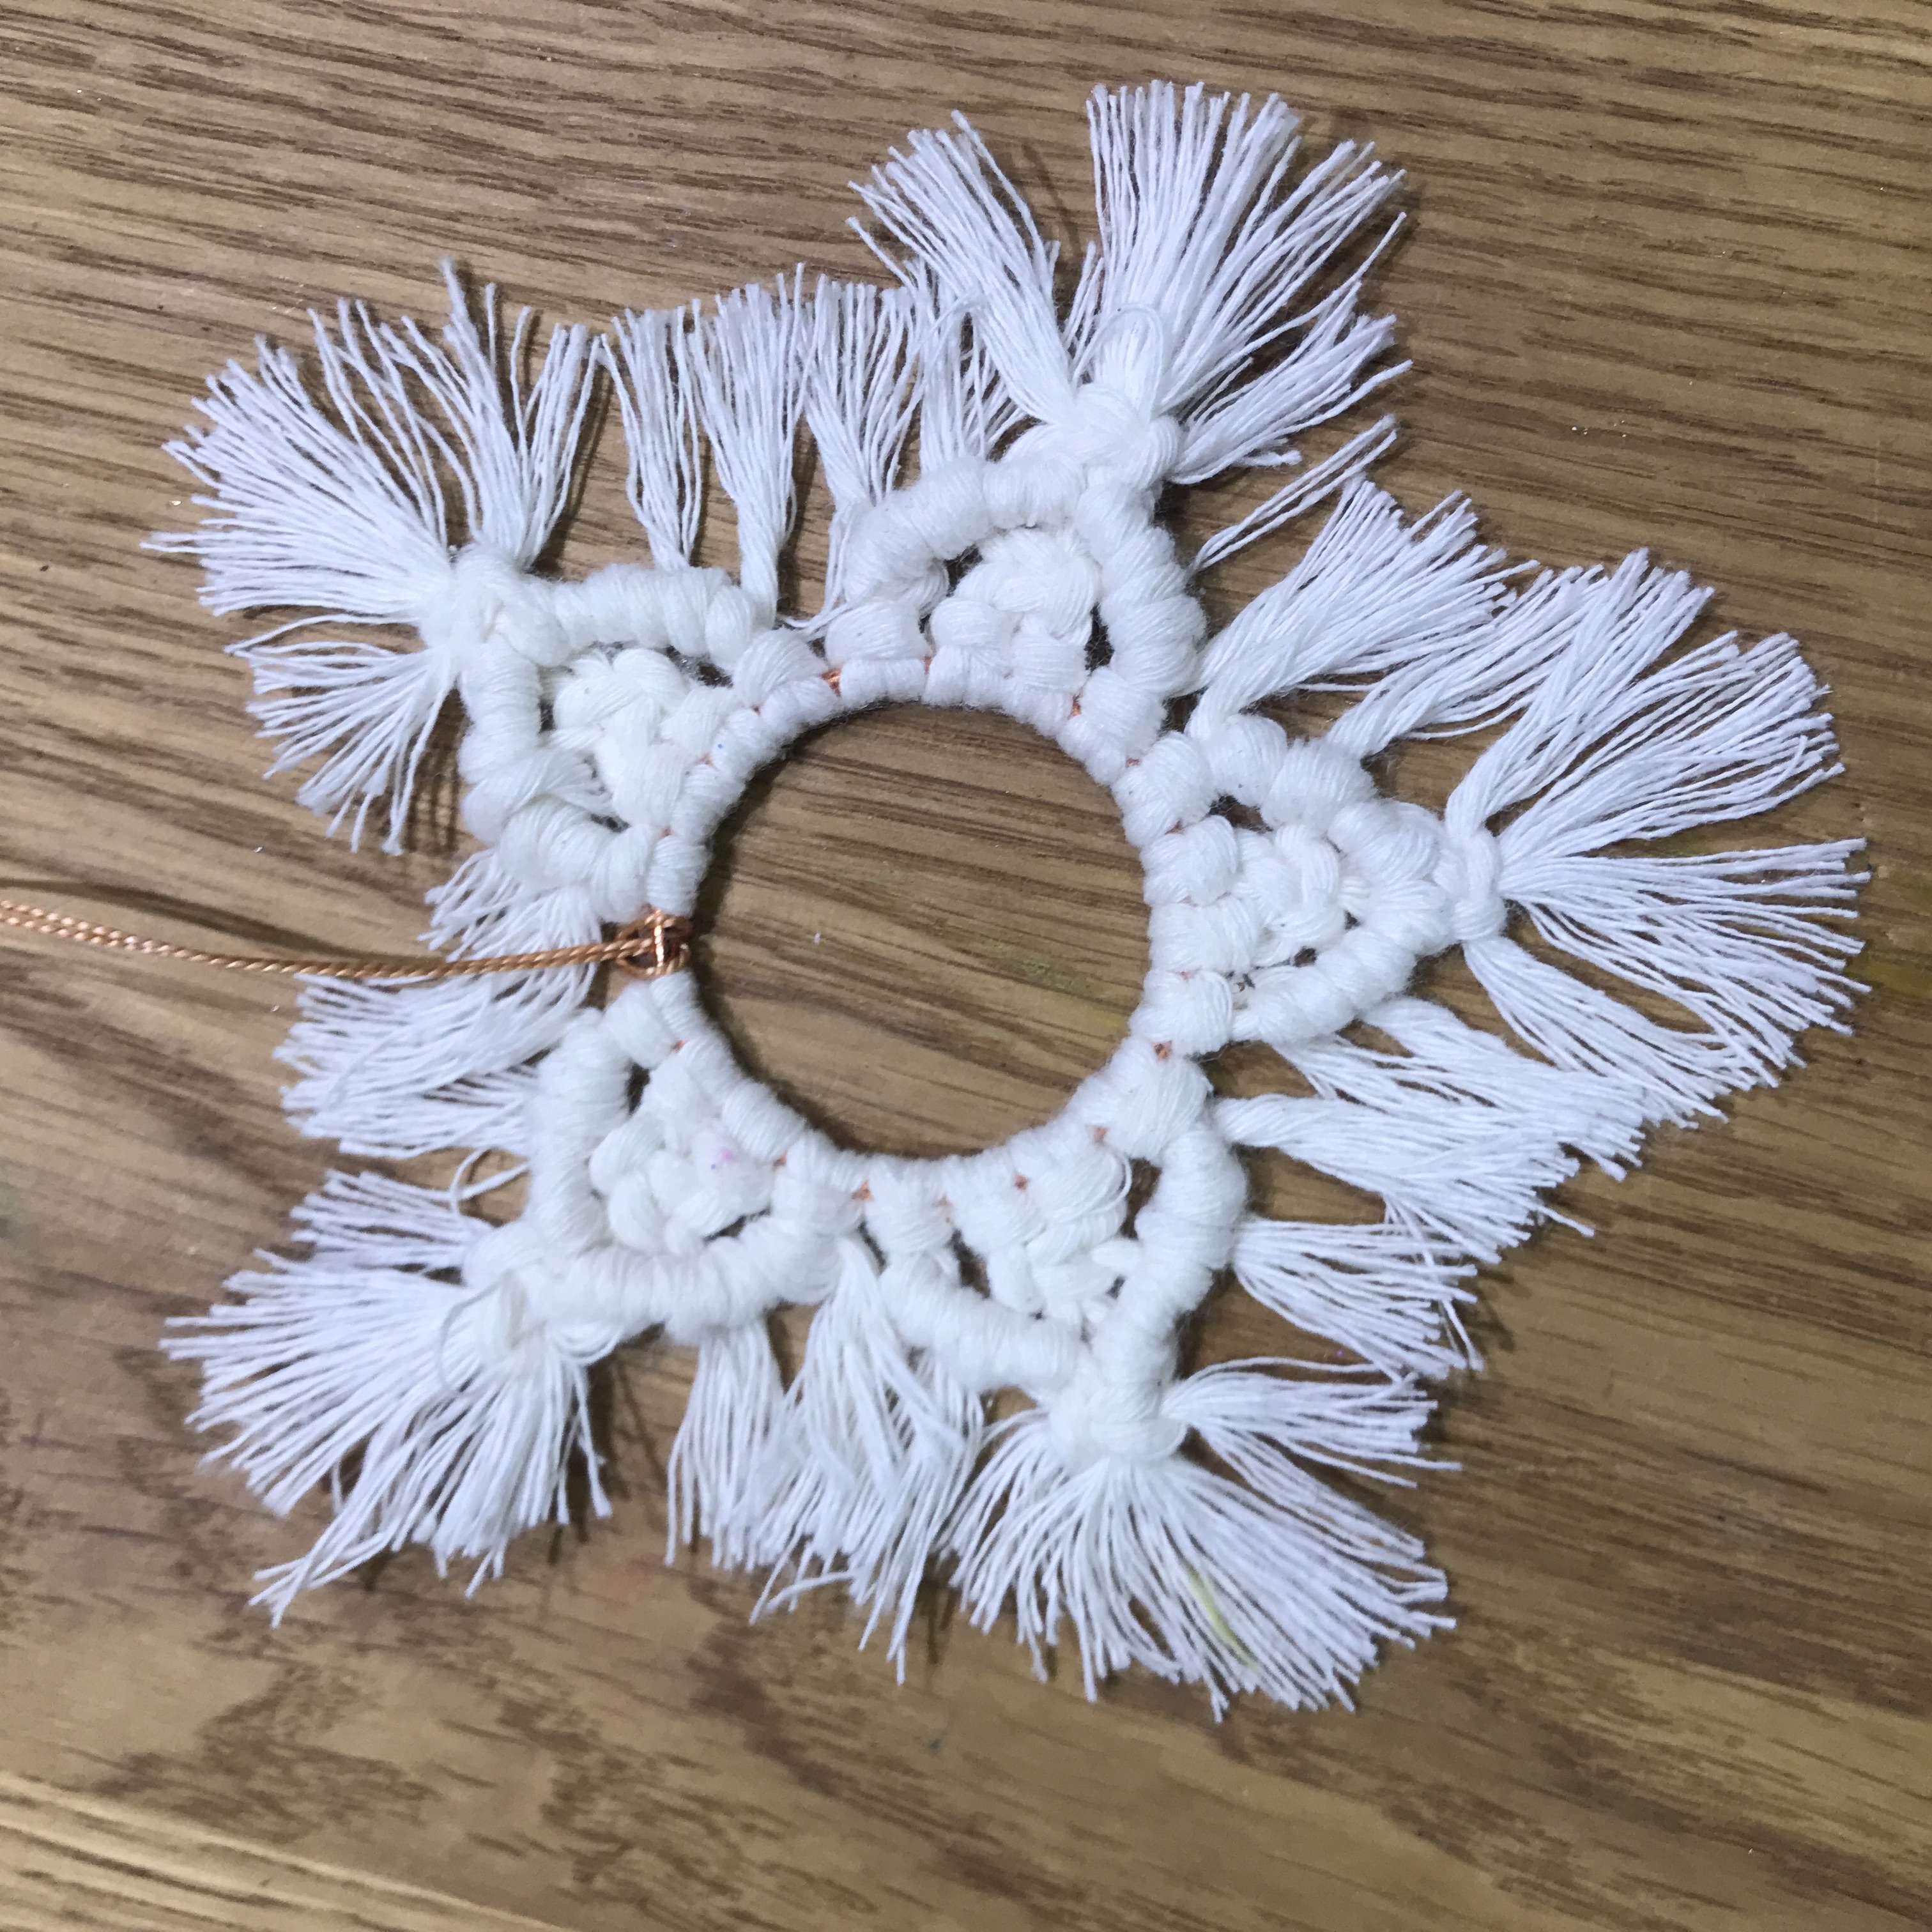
660,942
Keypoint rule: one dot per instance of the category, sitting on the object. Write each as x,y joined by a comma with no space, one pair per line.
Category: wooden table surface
1669,283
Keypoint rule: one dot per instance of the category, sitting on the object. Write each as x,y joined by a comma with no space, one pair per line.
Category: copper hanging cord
656,944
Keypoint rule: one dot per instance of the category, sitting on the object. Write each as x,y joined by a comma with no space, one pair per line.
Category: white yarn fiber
432,1367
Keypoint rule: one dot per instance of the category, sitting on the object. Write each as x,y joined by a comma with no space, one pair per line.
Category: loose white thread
613,721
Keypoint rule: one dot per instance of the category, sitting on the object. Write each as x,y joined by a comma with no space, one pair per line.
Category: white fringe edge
460,1417
965,411
867,1461
972,238
463,1414
1300,494
1413,608
1206,245
869,1472
399,1069
739,381
1273,1583
1620,743
341,504
649,357
1384,1292
1461,1136
1187,308
859,402
750,359
737,1396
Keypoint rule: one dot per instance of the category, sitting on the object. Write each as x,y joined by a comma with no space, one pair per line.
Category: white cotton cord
1741,941
1383,1290
1351,1420
1377,595
1594,1118
863,1472
336,508
1190,229
1080,325
964,410
422,1228
1613,626
1493,1130
1676,1073
340,510
1493,670
367,711
1459,1136
648,356
1719,734
1176,177
509,438
1253,423
430,1370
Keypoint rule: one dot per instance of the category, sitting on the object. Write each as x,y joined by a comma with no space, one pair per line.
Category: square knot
488,597
1108,430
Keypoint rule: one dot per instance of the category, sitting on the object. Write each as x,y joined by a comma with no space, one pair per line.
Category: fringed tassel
1385,1292
869,1462
1445,1056
1423,621
368,712
1330,477
736,1399
859,403
1205,249
649,357
458,1416
398,1224
1376,594
1481,677
400,1070
1273,1583
965,411
335,507
512,438
1459,1135
1736,938
973,242
750,359
340,505
1607,753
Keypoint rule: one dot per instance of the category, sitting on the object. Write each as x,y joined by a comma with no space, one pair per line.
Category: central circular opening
924,929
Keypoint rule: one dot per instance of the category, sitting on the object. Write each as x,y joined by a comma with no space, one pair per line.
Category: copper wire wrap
651,946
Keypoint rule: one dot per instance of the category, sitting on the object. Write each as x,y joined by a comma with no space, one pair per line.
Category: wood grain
68,1859
1667,284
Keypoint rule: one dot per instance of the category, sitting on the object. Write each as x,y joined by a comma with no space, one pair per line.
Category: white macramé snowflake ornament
432,1368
